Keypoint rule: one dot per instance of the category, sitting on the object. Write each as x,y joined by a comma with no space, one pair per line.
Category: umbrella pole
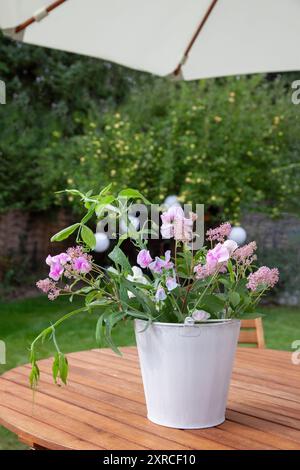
39,15
196,34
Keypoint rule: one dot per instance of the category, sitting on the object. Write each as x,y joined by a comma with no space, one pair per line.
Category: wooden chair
252,332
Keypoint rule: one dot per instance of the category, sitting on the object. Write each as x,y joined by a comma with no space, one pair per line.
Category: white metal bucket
186,371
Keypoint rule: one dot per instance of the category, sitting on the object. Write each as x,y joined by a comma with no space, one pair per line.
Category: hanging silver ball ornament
171,201
102,242
238,234
134,221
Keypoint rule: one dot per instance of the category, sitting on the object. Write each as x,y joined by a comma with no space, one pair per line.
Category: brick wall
25,237
278,242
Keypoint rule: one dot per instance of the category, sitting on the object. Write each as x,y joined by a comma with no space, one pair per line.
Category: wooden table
103,406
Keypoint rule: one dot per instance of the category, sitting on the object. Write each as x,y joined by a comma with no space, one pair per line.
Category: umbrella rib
194,37
42,13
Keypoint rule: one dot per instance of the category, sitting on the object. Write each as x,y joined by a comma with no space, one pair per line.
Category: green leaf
103,203
230,269
120,259
63,368
133,194
88,237
109,323
93,295
73,192
122,238
212,304
65,233
241,286
106,189
144,300
234,298
140,315
34,375
89,214
224,281
55,367
100,329
99,303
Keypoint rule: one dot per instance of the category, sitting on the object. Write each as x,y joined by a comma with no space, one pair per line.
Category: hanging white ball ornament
102,242
134,221
238,234
171,201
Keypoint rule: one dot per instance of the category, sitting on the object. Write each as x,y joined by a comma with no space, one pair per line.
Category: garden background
71,121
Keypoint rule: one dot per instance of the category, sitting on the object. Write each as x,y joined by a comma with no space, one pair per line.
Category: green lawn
22,320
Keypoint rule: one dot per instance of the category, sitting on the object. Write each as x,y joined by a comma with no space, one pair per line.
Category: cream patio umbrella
189,38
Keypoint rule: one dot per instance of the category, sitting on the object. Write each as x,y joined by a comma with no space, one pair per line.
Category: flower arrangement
215,283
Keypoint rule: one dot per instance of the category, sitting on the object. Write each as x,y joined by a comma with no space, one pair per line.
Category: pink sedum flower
144,258
219,233
203,271
75,252
45,285
245,254
48,287
264,277
81,264
53,294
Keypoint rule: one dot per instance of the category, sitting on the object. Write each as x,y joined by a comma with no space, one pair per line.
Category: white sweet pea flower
138,276
231,246
112,270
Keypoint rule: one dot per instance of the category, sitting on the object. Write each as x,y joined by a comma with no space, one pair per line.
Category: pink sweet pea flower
160,294
57,264
167,230
171,283
219,254
81,265
216,259
200,315
167,263
173,213
62,259
175,224
168,219
144,258
183,229
56,270
159,264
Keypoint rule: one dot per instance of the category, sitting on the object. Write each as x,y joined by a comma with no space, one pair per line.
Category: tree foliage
229,143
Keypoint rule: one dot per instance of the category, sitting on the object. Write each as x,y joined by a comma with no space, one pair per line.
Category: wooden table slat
103,406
